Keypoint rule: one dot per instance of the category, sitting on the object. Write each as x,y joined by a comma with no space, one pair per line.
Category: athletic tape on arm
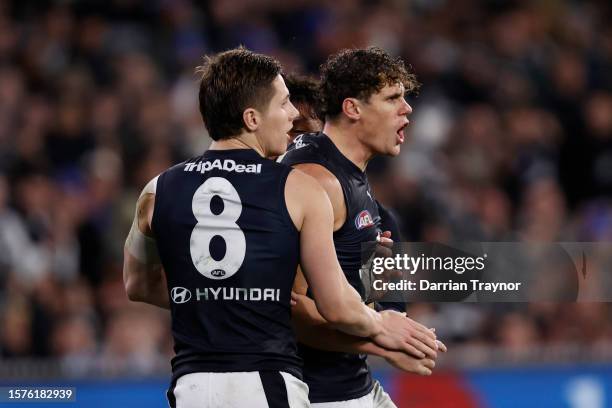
142,247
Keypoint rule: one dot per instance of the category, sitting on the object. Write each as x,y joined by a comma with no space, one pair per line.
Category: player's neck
242,141
345,140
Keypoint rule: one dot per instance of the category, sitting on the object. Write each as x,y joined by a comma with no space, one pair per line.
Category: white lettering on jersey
182,295
225,165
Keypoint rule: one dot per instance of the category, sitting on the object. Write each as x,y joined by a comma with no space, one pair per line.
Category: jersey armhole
158,189
344,197
346,205
282,202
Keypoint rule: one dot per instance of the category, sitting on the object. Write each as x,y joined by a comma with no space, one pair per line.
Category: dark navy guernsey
388,222
230,253
333,376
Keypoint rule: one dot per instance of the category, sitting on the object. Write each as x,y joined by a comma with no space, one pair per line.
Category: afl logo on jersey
180,295
363,220
217,273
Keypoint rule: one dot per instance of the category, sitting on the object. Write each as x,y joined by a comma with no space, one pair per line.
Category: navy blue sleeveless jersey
388,222
333,376
230,253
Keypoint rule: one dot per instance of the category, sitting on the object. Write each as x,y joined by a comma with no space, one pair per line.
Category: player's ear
351,108
251,119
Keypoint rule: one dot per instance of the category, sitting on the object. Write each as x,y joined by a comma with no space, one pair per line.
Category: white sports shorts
263,389
377,398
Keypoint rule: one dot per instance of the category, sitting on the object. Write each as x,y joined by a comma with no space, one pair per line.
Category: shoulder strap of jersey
282,203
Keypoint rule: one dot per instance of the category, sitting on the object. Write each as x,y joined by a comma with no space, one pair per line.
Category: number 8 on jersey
223,225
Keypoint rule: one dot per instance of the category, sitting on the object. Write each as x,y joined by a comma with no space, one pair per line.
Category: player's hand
296,298
384,245
410,364
383,249
441,346
404,334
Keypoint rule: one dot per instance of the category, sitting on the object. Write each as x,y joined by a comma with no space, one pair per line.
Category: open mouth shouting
400,133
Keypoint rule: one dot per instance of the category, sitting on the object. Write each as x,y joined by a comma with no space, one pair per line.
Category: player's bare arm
332,187
143,275
314,331
421,341
337,301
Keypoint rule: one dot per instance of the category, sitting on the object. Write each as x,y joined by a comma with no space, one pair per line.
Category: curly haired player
362,100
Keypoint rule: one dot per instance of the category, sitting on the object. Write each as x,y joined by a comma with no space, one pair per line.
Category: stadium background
511,138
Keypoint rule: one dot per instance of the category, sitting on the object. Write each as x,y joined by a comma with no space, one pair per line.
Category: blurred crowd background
511,139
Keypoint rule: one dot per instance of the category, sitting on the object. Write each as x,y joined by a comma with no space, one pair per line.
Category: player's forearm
153,294
358,320
341,306
329,339
157,292
348,314
145,283
314,331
